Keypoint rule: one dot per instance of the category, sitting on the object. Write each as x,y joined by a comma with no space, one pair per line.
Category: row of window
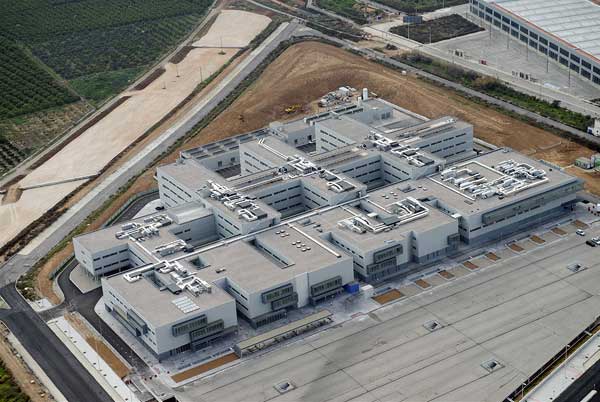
543,45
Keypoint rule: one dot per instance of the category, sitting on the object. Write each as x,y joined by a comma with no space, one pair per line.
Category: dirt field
308,70
388,296
99,346
202,368
248,25
87,155
32,204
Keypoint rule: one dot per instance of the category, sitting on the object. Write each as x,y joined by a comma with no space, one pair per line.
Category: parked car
580,232
591,243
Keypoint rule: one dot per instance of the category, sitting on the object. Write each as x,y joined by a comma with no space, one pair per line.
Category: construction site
292,79
406,320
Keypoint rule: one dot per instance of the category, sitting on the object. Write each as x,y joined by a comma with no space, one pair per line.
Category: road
579,389
49,352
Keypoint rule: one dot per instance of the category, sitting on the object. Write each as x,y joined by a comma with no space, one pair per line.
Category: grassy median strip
495,88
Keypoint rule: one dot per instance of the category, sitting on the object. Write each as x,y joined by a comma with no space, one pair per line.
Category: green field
9,390
493,87
25,85
98,46
87,37
421,6
346,8
431,31
99,86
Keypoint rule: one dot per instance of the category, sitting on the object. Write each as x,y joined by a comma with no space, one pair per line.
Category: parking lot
493,326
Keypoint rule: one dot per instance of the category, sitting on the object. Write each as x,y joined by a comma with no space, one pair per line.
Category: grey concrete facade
287,216
565,31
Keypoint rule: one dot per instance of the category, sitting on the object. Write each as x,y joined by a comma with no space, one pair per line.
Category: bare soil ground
559,231
537,239
202,368
308,70
516,247
492,256
388,296
248,25
470,265
23,376
446,275
114,362
423,284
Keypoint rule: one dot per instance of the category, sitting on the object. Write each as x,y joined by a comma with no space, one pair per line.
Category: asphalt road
49,352
579,389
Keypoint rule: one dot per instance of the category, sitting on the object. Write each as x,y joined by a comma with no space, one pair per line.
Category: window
564,52
524,30
563,61
533,35
514,24
553,46
586,74
575,58
586,64
543,41
574,67
553,55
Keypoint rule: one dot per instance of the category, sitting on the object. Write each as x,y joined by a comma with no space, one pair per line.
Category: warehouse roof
573,21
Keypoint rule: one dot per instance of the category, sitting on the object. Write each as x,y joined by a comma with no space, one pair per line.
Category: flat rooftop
521,311
487,165
572,21
158,307
253,269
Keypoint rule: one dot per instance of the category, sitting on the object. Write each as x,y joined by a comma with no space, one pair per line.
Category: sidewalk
93,363
566,374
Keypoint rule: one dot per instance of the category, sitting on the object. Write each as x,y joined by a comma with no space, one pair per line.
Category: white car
580,232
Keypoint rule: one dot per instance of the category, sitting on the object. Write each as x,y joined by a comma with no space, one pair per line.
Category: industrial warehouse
566,31
298,212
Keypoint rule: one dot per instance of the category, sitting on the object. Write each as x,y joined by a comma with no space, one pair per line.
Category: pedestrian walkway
566,374
92,361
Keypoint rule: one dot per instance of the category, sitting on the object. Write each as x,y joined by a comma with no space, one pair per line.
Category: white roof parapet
513,178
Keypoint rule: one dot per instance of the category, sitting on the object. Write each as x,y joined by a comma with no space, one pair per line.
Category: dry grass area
115,363
516,247
470,265
202,368
446,275
580,225
388,296
537,239
559,231
21,373
36,130
422,284
308,70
